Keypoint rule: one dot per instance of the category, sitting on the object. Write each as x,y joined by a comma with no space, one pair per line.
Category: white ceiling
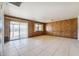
44,11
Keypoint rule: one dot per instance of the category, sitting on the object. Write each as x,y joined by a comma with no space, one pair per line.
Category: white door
1,29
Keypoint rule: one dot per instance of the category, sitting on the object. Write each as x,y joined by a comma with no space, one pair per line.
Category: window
48,28
38,27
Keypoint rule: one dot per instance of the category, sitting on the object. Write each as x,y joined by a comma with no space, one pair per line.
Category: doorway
18,30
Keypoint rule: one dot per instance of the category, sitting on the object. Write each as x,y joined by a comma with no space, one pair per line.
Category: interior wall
64,28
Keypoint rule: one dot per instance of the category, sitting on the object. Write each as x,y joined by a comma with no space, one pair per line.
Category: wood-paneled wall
64,28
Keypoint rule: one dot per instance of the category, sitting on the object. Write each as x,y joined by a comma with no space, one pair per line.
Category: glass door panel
11,31
16,32
23,30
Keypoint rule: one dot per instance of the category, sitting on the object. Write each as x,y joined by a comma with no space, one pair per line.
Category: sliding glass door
18,30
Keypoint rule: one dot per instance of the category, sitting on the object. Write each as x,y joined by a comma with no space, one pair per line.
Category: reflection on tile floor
42,46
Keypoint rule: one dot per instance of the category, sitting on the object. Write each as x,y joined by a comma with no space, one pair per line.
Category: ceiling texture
43,11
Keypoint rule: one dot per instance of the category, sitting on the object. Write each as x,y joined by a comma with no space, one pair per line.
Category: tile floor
42,46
